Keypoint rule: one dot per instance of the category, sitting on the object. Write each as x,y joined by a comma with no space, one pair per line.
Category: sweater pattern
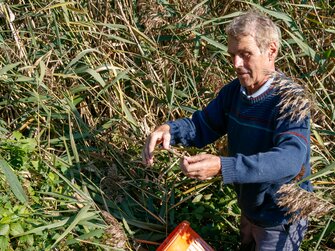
268,143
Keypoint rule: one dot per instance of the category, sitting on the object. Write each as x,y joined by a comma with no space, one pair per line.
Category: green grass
83,83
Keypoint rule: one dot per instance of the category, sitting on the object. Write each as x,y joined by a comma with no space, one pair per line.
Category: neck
254,88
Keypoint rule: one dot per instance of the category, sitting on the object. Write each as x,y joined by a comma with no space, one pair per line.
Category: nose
237,61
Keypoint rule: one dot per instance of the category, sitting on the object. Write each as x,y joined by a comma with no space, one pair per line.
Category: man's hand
161,135
201,167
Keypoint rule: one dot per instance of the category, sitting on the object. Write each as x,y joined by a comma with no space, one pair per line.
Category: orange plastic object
184,238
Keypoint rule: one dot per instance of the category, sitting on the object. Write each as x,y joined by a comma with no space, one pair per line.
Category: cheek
255,66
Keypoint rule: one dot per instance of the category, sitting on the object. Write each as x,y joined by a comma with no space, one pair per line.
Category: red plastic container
184,238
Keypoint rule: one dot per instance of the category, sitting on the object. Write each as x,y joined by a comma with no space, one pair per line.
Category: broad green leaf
79,88
303,46
128,114
113,26
197,198
42,71
80,11
54,6
13,181
80,56
217,20
108,67
39,230
330,30
4,243
181,93
16,228
118,38
4,229
65,11
29,239
73,144
307,6
17,135
126,226
25,79
277,14
212,42
80,216
119,76
145,37
7,68
323,234
323,172
327,132
96,76
94,233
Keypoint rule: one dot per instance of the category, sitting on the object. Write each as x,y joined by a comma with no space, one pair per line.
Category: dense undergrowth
82,85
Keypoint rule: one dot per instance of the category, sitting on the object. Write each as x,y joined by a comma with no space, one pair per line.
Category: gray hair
253,23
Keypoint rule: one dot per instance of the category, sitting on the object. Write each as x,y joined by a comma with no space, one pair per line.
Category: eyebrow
239,51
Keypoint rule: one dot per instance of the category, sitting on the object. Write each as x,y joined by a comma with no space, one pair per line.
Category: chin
244,84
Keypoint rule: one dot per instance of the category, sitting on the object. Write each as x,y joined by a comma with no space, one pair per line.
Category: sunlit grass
87,81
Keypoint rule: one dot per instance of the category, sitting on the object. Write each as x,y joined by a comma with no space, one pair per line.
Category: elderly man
265,116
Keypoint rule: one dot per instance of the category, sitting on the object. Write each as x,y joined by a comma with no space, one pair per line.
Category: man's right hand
160,135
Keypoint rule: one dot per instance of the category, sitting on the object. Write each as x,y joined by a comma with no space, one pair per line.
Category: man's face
251,65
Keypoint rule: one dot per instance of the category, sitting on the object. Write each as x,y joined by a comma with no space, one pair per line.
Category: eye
246,55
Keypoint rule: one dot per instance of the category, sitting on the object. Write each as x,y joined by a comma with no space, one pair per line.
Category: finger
193,175
151,143
145,158
197,158
183,166
166,140
194,166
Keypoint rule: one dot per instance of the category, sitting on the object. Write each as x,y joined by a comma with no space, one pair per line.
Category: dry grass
302,204
96,76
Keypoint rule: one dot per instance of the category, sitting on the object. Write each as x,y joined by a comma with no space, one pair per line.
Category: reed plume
296,102
301,203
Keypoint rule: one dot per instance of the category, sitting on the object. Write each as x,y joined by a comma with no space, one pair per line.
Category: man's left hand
201,167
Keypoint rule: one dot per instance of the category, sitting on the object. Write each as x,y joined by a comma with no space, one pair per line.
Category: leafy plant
82,85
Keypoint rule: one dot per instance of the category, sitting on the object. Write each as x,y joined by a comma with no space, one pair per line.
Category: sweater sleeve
280,164
204,127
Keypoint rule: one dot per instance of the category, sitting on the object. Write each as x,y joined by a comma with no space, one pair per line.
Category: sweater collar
259,92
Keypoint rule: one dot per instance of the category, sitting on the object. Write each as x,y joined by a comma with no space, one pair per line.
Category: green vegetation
84,82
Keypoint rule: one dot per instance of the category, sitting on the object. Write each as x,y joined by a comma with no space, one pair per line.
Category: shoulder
294,99
231,87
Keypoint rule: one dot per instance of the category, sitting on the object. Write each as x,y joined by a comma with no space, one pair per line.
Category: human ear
273,50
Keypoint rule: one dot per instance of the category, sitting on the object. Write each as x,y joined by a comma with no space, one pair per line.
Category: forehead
241,43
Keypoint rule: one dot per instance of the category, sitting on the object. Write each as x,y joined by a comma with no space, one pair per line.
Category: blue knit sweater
267,147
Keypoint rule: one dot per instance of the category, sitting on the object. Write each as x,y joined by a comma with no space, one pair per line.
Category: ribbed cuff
228,170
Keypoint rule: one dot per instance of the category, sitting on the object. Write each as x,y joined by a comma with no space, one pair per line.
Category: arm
205,126
278,165
197,131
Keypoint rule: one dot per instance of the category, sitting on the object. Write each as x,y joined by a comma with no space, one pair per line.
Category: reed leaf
82,214
13,181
